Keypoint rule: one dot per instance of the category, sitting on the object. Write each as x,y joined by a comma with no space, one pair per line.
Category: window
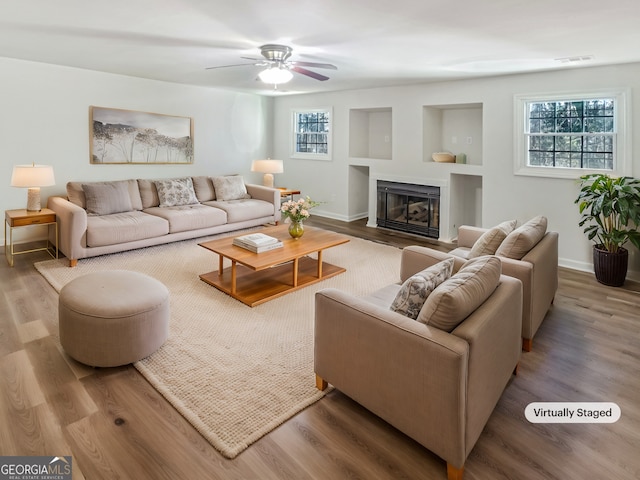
570,135
312,134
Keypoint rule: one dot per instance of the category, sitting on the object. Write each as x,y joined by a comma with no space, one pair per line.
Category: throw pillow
75,193
204,188
490,240
175,192
416,289
107,198
524,238
456,298
230,187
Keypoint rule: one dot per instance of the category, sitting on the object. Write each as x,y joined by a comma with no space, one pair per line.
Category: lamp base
267,180
33,199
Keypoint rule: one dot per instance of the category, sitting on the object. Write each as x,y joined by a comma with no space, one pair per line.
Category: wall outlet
387,139
469,140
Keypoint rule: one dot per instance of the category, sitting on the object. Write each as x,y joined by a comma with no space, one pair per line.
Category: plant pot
610,268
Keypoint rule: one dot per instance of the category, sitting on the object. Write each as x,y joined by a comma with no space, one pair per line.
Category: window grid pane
571,134
312,130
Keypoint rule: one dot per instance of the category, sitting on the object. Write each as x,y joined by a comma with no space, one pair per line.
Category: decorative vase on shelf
296,229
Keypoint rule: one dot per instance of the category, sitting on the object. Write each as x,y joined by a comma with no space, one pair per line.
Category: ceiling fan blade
309,73
234,65
315,65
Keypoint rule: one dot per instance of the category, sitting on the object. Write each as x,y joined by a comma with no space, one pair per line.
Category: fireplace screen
409,208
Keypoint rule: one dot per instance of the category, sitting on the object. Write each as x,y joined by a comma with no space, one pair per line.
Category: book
258,249
256,239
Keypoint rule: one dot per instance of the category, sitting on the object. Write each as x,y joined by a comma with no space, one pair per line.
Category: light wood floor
117,426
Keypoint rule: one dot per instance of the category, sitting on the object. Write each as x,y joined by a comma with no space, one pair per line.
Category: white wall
44,118
504,195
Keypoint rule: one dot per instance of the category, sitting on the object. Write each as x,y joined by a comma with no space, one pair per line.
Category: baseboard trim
342,218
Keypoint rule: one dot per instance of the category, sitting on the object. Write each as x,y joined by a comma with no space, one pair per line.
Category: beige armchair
537,270
439,388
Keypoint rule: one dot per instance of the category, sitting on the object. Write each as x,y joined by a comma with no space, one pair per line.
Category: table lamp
268,167
32,177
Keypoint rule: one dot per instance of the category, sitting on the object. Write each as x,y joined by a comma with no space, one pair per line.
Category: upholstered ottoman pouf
113,318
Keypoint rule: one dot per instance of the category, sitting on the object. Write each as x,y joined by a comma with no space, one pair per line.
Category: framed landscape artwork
126,136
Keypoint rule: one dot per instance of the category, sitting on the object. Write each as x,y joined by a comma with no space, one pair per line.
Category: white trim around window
622,133
317,141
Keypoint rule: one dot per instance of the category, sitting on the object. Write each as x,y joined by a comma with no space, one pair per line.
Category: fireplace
409,208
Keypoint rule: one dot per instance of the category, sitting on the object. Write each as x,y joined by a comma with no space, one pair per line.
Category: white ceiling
372,42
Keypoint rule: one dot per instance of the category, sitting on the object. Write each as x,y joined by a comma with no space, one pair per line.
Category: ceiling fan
279,67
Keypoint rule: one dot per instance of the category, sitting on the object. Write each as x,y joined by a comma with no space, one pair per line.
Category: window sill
559,172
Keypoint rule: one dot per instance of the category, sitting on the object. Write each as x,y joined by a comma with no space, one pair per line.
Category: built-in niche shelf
370,133
455,128
465,202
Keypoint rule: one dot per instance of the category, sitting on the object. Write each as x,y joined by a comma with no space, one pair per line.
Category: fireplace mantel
443,185
460,196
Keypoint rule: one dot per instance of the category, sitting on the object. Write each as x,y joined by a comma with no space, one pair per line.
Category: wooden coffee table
254,278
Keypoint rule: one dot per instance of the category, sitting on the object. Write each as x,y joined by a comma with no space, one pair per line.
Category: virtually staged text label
572,412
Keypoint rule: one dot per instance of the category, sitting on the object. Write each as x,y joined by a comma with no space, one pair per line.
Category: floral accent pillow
415,290
230,187
174,192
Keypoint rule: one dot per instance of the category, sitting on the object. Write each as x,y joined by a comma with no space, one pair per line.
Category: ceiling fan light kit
275,75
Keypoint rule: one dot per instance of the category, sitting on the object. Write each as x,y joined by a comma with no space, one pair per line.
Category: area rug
235,372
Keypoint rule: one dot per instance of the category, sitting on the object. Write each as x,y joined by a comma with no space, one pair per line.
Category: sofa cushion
106,198
123,227
524,238
242,210
76,195
415,289
383,296
462,252
148,193
490,240
183,218
230,187
204,188
456,298
175,191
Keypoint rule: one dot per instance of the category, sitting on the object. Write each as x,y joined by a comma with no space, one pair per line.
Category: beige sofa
98,218
537,269
437,387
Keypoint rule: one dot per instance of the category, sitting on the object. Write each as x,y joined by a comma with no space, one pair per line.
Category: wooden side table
285,192
23,218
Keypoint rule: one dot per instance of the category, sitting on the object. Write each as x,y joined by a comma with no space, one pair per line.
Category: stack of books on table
257,242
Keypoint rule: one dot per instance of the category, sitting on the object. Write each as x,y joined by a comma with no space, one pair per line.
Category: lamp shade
268,167
275,75
32,176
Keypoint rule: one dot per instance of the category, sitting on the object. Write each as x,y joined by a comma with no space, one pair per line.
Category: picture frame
119,136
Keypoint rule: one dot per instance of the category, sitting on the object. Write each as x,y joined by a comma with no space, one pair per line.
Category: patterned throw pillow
416,289
174,192
230,187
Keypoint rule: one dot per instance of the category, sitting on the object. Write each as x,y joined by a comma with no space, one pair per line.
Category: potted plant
610,209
